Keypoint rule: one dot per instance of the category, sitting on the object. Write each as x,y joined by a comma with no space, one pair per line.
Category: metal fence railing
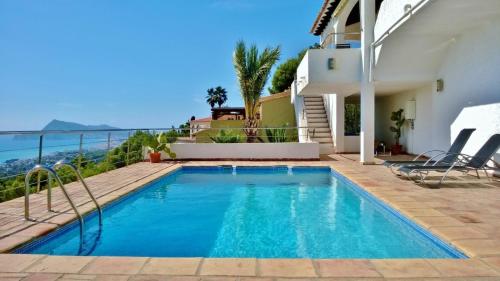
98,151
329,41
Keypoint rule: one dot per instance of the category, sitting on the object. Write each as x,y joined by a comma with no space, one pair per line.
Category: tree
252,70
216,96
221,95
285,73
211,99
185,128
284,76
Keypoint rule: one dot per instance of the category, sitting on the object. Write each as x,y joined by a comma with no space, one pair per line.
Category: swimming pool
262,212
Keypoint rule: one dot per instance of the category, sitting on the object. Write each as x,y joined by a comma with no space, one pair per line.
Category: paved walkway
467,216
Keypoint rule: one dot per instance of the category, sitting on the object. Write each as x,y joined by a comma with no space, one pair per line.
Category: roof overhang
324,16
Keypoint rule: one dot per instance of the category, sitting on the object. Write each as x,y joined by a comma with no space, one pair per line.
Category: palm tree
216,96
221,95
253,69
211,97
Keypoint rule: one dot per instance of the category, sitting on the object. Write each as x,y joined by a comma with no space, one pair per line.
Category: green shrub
276,135
224,136
283,134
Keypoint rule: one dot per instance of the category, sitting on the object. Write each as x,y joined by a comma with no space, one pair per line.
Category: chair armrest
461,158
440,155
427,152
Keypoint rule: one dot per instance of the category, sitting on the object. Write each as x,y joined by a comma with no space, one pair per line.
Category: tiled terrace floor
468,216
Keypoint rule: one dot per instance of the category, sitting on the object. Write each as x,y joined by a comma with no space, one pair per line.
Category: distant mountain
58,125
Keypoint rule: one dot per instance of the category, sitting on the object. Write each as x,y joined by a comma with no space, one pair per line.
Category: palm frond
253,71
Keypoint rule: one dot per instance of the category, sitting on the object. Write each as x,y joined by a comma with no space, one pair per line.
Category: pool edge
440,242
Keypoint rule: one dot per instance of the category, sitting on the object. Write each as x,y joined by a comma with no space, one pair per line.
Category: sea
14,148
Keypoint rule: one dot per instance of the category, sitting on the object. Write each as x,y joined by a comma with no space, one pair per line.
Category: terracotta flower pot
396,149
155,157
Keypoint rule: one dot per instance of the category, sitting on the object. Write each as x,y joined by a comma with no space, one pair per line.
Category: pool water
269,212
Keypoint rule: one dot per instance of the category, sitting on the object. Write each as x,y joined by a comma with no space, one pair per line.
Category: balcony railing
98,151
329,41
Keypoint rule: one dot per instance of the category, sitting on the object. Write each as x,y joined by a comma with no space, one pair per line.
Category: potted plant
158,143
398,118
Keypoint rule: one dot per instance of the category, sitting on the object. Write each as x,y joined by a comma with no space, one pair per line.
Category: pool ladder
53,172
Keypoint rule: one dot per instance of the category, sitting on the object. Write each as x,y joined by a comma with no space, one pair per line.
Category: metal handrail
37,169
110,142
51,132
406,15
61,164
331,34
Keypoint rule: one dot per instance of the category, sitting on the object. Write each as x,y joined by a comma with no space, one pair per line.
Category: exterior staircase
317,123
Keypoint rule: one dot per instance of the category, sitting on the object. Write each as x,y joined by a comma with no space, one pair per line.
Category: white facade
247,151
416,44
343,79
196,126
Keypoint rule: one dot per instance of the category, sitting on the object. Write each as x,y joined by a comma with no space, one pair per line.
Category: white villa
439,60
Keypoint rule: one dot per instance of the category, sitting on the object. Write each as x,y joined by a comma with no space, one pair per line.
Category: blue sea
12,148
247,212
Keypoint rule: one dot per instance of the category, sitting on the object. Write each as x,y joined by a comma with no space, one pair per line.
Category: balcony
327,71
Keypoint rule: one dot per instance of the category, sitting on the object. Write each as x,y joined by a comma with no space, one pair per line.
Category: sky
133,63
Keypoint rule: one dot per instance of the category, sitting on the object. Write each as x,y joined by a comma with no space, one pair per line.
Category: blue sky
130,64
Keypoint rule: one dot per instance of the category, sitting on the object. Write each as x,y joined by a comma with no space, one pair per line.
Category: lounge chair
450,155
463,163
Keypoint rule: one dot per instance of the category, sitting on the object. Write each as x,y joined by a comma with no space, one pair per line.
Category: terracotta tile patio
466,216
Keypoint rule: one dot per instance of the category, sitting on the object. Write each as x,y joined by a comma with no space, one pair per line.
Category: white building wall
300,117
470,99
390,12
471,74
305,151
414,141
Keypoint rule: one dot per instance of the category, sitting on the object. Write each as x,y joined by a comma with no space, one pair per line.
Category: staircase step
320,130
317,119
309,103
319,105
322,140
313,98
320,135
318,125
315,107
315,111
313,101
317,122
316,115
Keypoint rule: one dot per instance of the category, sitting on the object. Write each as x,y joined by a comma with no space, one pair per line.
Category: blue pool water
248,212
